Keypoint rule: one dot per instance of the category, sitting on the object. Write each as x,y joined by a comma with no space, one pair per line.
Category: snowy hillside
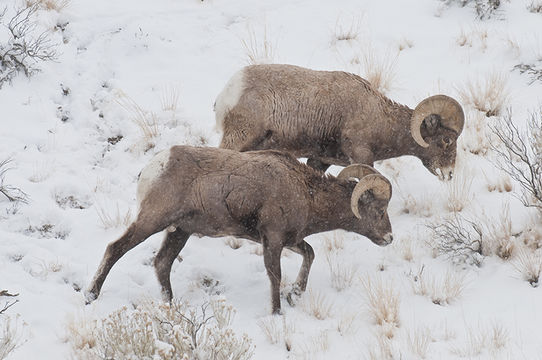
131,78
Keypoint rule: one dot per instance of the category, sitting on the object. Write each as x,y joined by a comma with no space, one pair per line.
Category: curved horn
356,171
379,184
449,110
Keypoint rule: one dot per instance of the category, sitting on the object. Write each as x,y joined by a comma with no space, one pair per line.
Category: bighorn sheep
264,196
334,117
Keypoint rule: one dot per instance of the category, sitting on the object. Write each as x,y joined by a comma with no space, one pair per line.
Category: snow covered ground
76,146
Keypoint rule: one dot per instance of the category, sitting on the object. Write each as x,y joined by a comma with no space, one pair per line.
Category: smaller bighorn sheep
265,196
333,117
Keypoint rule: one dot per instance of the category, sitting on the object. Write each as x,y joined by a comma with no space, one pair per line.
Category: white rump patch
150,173
229,97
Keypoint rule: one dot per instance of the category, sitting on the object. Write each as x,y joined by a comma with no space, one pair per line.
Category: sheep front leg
171,247
305,250
272,248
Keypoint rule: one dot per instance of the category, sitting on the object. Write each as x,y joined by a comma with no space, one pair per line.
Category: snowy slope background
72,133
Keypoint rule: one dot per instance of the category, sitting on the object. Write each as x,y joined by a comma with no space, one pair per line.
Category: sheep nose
388,238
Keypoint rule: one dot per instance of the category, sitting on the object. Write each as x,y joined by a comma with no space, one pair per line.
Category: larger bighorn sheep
334,117
264,196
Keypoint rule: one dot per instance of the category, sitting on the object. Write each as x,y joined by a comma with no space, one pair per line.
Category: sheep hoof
89,297
293,296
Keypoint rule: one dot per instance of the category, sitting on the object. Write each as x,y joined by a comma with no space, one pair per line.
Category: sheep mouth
444,173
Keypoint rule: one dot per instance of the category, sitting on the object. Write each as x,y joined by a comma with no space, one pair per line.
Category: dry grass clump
113,219
492,338
381,349
234,242
313,347
146,121
499,182
441,290
529,264
334,242
259,49
342,273
165,331
418,342
404,247
475,137
277,329
56,5
383,301
489,95
378,68
317,304
498,236
458,190
475,37
347,30
420,205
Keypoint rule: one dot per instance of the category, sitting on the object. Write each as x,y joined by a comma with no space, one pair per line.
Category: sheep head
436,124
369,202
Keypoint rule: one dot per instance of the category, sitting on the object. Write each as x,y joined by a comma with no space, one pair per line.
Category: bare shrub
167,331
535,6
534,71
489,95
457,238
22,47
518,155
529,264
441,290
258,50
11,334
10,192
383,301
485,9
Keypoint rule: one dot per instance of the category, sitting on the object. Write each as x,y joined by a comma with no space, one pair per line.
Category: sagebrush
162,331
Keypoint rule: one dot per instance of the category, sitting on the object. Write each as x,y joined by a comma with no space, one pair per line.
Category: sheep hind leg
169,250
271,259
134,235
300,285
317,164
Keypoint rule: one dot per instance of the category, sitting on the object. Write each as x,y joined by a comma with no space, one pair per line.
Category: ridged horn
379,184
449,110
356,171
